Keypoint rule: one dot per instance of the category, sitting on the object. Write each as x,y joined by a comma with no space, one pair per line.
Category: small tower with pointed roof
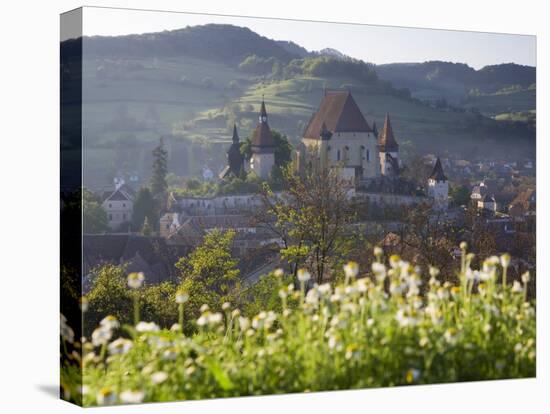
388,150
438,186
263,147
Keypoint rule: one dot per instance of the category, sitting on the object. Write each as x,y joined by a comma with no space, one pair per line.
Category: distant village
337,136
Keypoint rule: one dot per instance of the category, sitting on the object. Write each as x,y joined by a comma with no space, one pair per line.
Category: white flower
324,289
120,346
434,271
66,331
351,269
505,260
450,336
204,308
101,335
279,272
244,323
379,271
135,280
516,287
147,327
182,297
463,245
132,397
109,322
526,277
303,275
169,355
175,327
159,377
378,251
106,396
203,320
226,306
215,318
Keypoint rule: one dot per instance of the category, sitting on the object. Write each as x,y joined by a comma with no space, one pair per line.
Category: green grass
385,329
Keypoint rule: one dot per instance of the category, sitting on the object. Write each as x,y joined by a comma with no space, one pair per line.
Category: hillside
492,89
190,85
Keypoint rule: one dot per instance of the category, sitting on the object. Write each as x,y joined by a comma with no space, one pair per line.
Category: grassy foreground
386,329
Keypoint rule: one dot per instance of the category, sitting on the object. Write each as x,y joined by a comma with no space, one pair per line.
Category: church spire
235,134
437,173
263,112
386,140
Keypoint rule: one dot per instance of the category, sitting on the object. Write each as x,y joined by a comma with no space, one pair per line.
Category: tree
311,217
110,295
94,217
160,170
460,195
144,208
427,238
146,229
209,274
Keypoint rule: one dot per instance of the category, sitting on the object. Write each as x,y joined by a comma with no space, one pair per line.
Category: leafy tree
209,274
310,217
94,217
160,170
144,208
460,195
110,295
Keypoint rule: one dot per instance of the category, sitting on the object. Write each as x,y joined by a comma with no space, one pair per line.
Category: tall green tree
94,217
146,229
144,208
209,274
160,170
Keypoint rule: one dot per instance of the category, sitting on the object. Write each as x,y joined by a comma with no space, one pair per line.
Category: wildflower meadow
380,327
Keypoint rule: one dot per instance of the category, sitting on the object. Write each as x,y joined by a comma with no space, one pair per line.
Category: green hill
493,89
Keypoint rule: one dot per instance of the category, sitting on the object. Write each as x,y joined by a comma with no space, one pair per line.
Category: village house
119,206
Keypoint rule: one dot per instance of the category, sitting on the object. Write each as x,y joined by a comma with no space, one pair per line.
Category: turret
438,186
388,150
263,146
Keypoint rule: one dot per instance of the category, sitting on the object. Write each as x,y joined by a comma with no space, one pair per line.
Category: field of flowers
385,329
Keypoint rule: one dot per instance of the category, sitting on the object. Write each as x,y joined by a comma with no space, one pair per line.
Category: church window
110,217
368,155
338,155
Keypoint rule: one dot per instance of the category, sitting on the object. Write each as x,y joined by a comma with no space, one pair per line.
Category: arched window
367,154
338,155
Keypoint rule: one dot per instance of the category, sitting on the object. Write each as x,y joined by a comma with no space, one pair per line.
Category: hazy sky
376,44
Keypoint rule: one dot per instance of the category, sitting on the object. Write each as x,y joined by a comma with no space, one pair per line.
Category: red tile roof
340,113
386,140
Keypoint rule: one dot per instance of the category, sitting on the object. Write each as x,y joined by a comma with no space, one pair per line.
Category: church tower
438,187
263,147
388,150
